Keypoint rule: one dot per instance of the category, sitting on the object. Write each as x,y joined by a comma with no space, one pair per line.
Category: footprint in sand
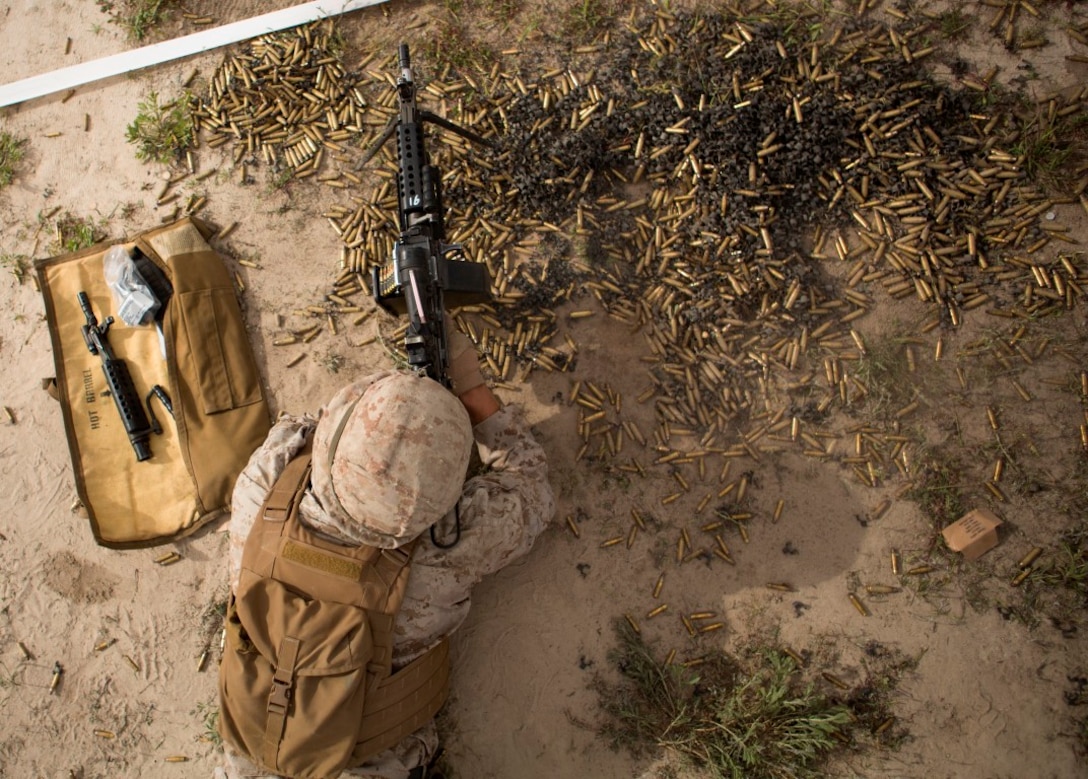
79,580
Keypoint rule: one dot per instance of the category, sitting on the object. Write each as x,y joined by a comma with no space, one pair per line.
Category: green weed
1067,566
722,716
74,234
585,19
954,24
938,494
454,45
885,373
12,151
1051,149
18,264
209,715
281,178
161,133
137,17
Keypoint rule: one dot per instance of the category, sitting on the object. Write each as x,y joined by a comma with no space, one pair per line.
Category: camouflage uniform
502,512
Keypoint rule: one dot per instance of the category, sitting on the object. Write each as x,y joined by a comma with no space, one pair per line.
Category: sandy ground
986,698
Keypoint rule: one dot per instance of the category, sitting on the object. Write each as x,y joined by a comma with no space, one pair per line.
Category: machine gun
119,381
420,279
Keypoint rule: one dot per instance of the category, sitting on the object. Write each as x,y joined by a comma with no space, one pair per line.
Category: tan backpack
305,683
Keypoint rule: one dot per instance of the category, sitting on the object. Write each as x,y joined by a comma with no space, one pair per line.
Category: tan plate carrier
209,374
306,685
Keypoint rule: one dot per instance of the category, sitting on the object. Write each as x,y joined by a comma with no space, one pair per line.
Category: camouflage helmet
389,458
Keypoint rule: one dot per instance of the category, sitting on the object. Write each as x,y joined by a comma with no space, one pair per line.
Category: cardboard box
974,534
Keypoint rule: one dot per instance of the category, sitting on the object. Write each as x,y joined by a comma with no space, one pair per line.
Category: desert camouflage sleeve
503,510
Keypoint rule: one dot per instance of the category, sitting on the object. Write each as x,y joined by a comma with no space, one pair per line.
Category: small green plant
161,133
1067,566
333,362
137,17
18,264
456,45
760,723
209,715
884,371
954,24
502,10
938,493
1052,149
12,150
74,234
586,18
281,178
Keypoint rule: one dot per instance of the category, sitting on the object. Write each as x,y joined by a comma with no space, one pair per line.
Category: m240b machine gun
420,280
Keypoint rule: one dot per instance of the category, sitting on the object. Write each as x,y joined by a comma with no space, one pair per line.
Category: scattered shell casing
26,652
573,526
1020,577
835,680
58,671
168,559
880,589
800,661
883,726
202,660
1030,557
861,608
895,562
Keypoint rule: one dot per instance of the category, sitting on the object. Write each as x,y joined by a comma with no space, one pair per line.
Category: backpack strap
278,504
262,545
404,702
280,698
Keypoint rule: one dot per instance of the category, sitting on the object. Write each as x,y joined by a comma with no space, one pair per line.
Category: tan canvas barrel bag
203,362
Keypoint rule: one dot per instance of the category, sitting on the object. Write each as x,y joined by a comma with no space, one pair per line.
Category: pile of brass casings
693,177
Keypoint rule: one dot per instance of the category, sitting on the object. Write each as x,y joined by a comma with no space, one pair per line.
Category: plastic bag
135,302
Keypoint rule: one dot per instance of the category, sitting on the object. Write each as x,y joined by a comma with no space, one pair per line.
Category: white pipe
157,53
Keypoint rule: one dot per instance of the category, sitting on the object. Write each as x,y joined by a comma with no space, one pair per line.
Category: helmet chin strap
333,444
456,528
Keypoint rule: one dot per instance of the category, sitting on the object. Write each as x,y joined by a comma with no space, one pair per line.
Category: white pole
157,53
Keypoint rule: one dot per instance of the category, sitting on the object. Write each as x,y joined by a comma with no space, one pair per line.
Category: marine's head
389,457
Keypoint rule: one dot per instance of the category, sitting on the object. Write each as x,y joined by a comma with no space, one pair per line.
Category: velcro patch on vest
321,561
